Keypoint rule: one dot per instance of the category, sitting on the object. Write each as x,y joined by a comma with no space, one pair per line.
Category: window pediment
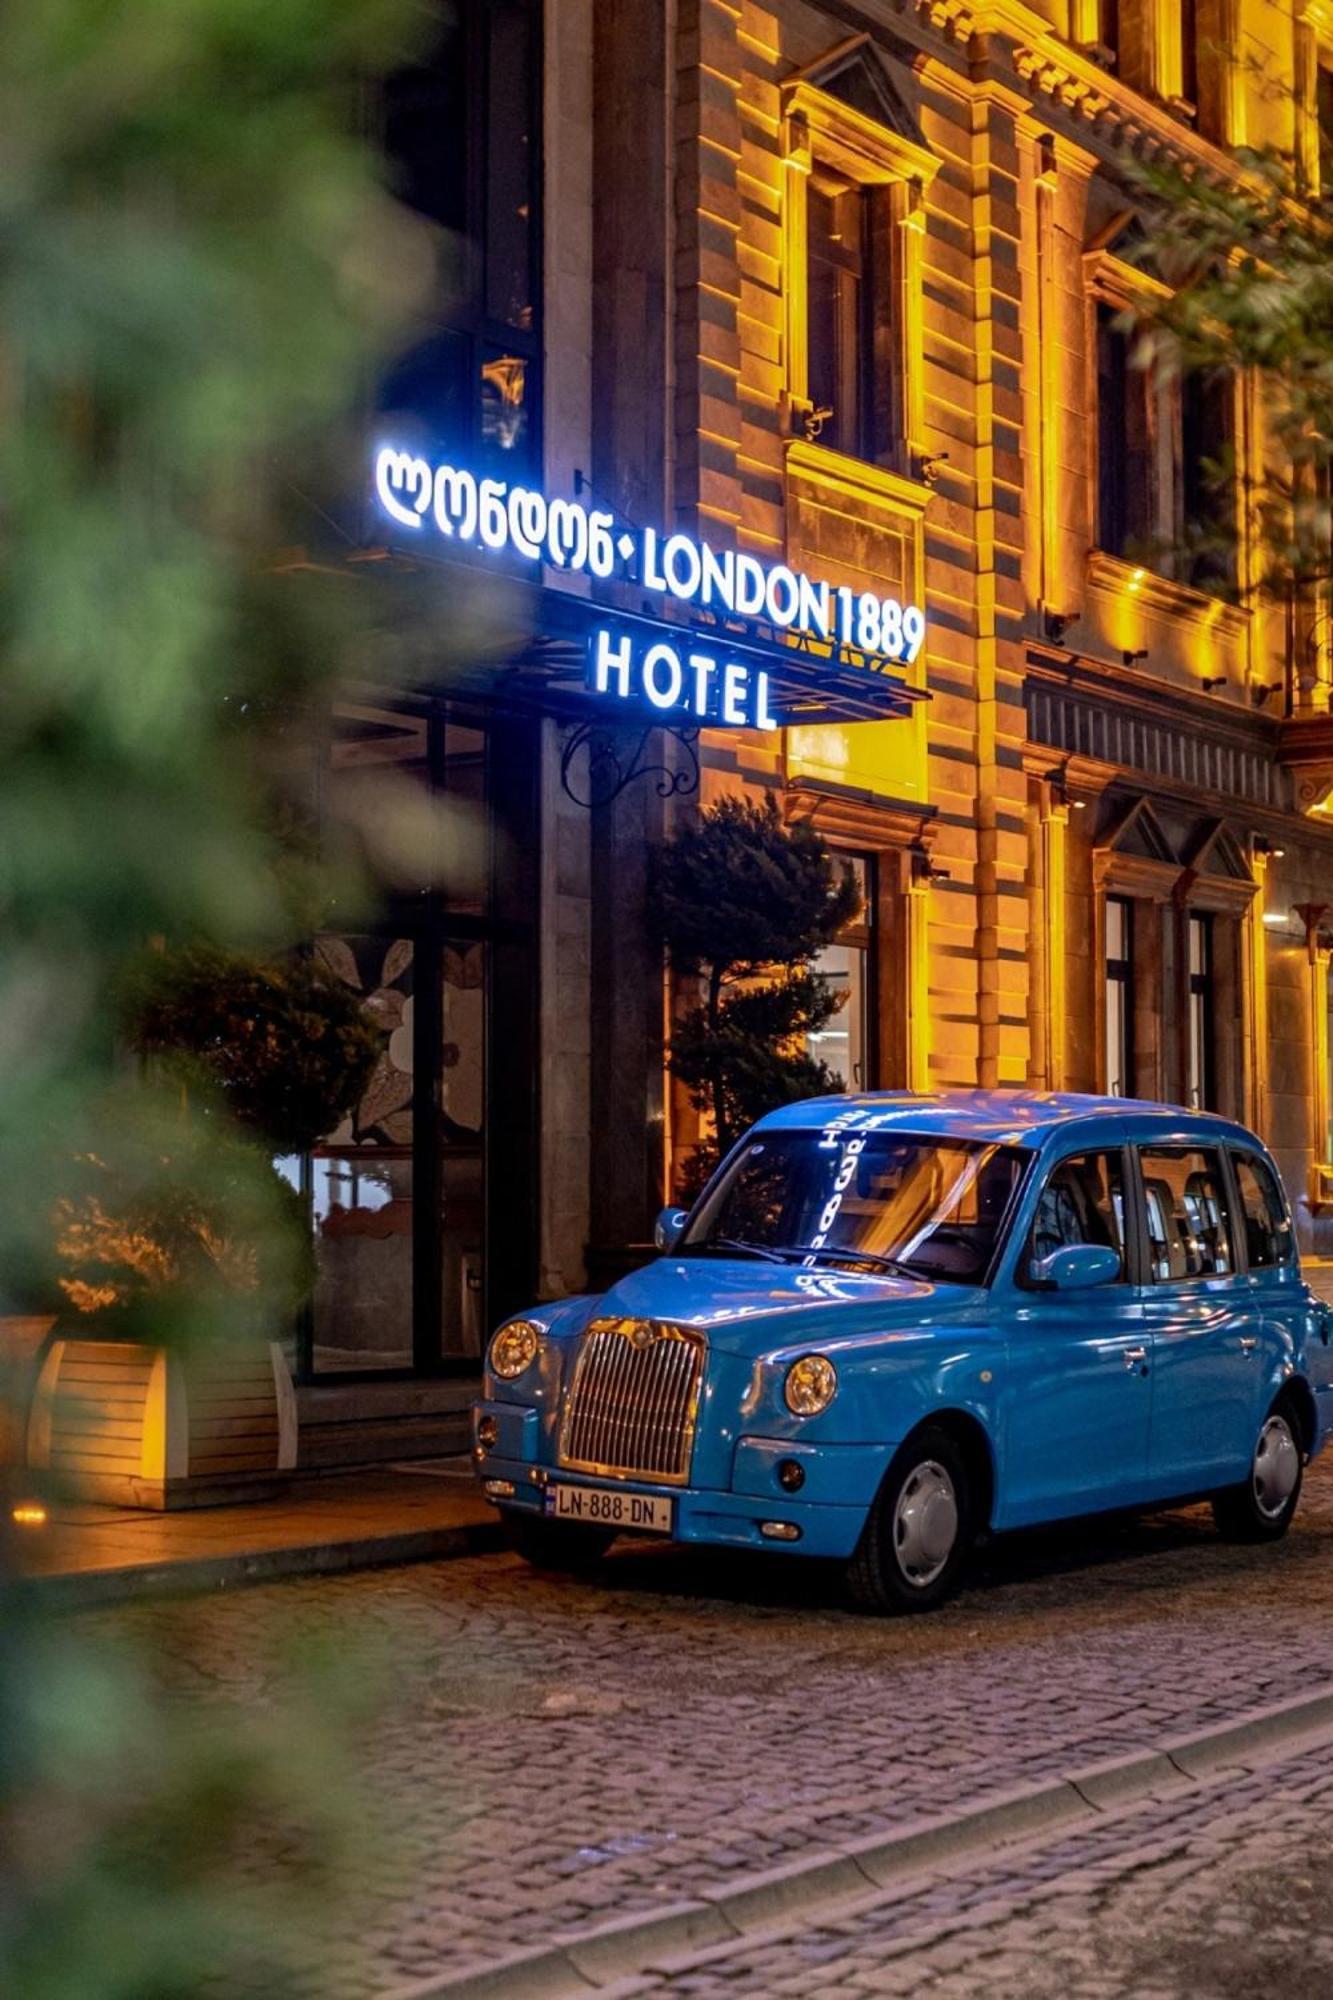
849,98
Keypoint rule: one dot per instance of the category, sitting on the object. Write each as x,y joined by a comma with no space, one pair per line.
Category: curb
81,1590
606,1961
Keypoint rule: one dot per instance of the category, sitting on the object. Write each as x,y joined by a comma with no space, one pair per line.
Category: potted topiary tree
181,1250
745,904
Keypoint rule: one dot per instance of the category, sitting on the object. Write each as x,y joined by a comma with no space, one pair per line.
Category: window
1263,1213
1119,996
838,304
1108,26
1324,114
1189,51
844,1043
1189,1226
1202,1066
1207,492
889,1199
1126,492
1082,1202
460,131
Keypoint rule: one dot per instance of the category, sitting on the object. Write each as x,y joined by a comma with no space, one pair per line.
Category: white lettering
735,682
493,523
567,535
814,612
601,548
400,473
662,656
763,716
705,666
455,502
652,575
749,587
527,522
781,595
607,661
681,566
719,578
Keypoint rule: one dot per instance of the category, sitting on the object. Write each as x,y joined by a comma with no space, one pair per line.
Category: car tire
918,1532
1260,1509
556,1545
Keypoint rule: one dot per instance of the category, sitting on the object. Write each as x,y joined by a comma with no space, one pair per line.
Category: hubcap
1277,1465
925,1523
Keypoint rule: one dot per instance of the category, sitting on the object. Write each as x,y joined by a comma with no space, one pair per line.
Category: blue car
892,1323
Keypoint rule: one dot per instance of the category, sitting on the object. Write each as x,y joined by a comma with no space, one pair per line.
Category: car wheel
556,1545
1261,1507
915,1541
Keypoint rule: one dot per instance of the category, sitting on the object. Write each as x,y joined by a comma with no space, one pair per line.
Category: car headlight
514,1348
811,1385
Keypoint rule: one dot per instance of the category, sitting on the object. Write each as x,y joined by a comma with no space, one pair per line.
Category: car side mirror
1076,1267
668,1228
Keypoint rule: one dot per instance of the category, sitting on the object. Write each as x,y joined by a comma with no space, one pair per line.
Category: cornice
1050,67
1131,691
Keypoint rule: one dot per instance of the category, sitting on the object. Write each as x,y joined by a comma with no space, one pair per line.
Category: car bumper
753,1511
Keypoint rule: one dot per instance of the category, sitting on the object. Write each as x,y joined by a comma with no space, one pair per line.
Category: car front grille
632,1402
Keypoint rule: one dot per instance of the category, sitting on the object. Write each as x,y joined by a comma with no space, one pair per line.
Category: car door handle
1248,1342
1134,1356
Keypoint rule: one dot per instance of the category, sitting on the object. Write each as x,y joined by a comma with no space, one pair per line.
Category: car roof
1014,1117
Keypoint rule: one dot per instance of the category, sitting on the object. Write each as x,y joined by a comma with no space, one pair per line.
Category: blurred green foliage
199,270
1247,260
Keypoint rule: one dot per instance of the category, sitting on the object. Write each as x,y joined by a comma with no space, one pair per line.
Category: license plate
644,1513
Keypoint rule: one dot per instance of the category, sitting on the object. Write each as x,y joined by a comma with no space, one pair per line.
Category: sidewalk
429,1511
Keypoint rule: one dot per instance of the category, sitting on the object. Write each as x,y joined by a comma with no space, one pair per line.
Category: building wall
674,317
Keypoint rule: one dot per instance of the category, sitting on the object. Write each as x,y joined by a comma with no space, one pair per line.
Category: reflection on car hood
746,1306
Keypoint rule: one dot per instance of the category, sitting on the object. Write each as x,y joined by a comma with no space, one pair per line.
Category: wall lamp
1129,659
1261,844
1210,681
1261,691
923,868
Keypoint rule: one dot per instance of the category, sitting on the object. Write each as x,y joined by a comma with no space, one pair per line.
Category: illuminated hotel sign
685,673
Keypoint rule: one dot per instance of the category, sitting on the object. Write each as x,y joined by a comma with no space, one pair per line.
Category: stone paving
1203,1896
552,1754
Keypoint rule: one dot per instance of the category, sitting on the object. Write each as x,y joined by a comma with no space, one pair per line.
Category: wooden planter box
22,1337
140,1426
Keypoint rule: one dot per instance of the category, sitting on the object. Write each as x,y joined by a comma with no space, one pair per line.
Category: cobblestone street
551,1755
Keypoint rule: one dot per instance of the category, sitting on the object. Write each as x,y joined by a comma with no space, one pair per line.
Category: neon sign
489,513
679,679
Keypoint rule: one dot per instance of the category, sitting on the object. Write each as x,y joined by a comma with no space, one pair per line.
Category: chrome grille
632,1402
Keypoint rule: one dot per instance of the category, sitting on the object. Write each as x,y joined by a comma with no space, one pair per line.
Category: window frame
862,935
1290,1261
820,132
1197,1144
1125,980
1202,986
1132,1261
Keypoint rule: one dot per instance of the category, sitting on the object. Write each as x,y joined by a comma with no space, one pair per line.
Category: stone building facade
836,286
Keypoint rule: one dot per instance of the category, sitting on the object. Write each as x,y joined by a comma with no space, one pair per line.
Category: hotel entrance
423,1201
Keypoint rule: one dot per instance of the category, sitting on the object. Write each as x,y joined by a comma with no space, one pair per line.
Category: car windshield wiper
746,1248
844,1254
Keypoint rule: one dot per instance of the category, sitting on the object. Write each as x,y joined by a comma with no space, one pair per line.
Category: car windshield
924,1206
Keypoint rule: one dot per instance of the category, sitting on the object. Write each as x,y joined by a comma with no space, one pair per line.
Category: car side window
1263,1213
1189,1223
1083,1201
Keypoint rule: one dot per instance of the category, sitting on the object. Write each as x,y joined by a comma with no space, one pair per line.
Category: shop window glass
360,1183
1189,1224
1263,1213
462,1147
1201,1063
1119,986
844,1043
1082,1202
460,134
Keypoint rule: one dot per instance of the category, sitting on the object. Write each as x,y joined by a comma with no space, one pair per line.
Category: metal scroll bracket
598,762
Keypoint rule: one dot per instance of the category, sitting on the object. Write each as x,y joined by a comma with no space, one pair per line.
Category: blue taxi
892,1323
